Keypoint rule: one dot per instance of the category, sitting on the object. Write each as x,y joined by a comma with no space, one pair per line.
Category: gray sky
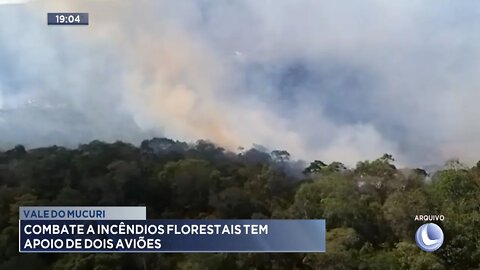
331,80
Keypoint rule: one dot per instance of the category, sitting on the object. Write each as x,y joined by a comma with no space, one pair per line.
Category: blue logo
429,237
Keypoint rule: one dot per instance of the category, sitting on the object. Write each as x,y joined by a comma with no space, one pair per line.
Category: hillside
370,209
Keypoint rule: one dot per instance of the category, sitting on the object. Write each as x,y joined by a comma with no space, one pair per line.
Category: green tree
342,246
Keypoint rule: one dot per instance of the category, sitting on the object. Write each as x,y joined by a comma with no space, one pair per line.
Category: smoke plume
342,80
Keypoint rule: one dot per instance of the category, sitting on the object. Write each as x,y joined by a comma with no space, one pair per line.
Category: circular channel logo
429,237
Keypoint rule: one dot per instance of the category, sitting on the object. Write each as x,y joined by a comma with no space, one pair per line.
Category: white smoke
343,80
12,2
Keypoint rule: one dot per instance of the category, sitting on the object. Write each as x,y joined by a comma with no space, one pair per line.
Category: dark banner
172,235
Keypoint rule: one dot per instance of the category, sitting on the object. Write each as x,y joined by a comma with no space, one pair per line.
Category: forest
369,208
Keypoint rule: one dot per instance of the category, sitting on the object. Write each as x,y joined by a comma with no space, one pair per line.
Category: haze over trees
370,209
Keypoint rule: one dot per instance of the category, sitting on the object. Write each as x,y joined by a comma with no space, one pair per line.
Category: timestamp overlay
67,18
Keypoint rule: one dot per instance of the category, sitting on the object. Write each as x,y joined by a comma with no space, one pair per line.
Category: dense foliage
369,209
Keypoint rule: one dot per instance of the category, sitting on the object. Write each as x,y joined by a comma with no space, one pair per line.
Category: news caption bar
126,229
